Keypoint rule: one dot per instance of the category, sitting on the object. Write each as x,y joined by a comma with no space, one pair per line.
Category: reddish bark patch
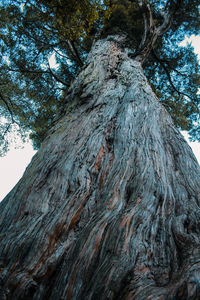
75,218
129,233
54,237
99,156
99,236
123,221
114,199
69,294
110,276
101,182
50,248
13,267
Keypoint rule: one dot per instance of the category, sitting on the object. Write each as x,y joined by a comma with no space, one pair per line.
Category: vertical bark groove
109,206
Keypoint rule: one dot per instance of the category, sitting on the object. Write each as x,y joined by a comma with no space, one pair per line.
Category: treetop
32,92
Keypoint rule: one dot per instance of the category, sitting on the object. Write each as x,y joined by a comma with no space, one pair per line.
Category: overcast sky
13,165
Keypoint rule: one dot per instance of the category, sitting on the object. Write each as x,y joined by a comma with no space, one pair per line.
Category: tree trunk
108,209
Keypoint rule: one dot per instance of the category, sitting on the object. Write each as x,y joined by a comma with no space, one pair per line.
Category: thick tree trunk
109,206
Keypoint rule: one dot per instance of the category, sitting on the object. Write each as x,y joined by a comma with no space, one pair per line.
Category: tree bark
108,209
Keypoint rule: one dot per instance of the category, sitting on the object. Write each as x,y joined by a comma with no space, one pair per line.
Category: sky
13,165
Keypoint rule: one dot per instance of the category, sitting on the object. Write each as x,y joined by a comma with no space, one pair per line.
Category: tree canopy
32,32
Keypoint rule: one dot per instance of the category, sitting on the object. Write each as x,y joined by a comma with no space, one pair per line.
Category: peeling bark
109,207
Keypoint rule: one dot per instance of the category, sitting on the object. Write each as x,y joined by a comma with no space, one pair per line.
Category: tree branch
148,22
6,130
61,54
28,71
56,77
75,52
151,33
170,80
169,66
8,108
149,36
40,72
168,16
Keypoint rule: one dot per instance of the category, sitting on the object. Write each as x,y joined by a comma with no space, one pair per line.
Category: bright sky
13,165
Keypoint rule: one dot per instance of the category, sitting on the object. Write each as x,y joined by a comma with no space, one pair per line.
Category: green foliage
74,19
120,19
31,31
174,73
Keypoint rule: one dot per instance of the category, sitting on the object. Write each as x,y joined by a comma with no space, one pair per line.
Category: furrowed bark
109,207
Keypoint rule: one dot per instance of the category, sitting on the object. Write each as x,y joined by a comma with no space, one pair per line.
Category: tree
109,206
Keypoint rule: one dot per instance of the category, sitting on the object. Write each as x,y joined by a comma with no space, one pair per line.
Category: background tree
109,206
